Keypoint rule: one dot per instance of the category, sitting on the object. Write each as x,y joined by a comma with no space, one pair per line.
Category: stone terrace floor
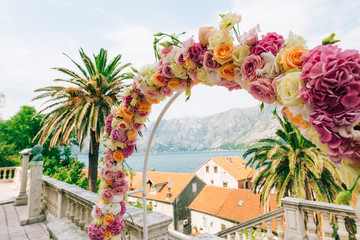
10,228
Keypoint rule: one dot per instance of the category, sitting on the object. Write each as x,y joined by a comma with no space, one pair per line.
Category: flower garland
319,89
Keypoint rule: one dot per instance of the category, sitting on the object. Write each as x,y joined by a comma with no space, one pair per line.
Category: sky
35,34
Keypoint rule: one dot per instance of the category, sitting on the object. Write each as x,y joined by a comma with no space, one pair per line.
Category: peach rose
223,52
158,79
118,156
144,107
227,71
204,34
131,134
290,57
297,120
152,101
124,125
108,219
189,64
174,83
107,235
119,112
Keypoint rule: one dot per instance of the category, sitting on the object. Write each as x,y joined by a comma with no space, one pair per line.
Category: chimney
229,160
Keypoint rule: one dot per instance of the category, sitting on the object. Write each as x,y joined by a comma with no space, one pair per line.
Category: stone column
34,214
23,198
294,219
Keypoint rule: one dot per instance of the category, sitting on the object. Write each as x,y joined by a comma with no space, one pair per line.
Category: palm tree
83,106
293,166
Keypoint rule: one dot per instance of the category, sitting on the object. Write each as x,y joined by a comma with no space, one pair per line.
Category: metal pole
145,228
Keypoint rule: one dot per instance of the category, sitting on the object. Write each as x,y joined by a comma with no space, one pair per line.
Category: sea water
185,162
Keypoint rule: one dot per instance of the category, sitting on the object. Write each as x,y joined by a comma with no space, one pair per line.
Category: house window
212,181
204,222
194,187
207,169
215,169
225,184
246,184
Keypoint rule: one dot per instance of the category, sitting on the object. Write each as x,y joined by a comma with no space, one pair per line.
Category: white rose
219,37
240,53
178,71
229,20
287,89
98,220
114,110
213,78
294,40
103,185
110,144
271,68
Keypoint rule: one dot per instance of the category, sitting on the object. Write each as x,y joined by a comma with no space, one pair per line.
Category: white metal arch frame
146,159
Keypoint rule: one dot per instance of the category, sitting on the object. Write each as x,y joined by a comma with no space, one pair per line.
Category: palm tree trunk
93,162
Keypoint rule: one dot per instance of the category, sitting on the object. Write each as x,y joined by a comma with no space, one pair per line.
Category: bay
185,162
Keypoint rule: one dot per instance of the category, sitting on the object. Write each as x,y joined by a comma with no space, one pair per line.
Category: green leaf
261,106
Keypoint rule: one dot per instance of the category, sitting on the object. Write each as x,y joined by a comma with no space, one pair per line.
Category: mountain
233,129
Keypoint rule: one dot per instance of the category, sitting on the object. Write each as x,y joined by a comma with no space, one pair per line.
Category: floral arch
318,88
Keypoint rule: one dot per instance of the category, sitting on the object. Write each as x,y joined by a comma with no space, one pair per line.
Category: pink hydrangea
118,135
123,207
128,150
115,227
271,42
94,232
196,53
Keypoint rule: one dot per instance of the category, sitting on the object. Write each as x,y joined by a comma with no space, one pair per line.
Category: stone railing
10,174
68,208
272,221
300,218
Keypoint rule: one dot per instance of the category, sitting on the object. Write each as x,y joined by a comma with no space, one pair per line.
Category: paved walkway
8,192
10,228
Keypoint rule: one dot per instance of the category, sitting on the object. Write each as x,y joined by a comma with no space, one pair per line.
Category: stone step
64,229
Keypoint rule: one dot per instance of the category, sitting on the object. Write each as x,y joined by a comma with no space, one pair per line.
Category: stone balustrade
272,221
68,213
303,219
10,174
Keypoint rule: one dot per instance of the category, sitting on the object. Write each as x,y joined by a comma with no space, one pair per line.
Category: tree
83,106
18,133
293,166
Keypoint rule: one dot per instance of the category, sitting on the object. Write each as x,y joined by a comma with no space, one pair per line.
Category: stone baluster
343,234
68,209
249,232
259,233
231,236
311,226
82,221
240,234
88,219
328,231
269,232
77,213
280,230
73,210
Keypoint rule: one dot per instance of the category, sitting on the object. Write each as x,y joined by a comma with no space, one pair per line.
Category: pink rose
179,57
165,90
204,34
108,122
119,176
97,211
165,51
249,38
230,85
167,71
118,135
119,191
249,66
271,42
108,157
137,126
107,194
107,174
193,75
263,89
183,84
210,65
123,207
152,92
131,142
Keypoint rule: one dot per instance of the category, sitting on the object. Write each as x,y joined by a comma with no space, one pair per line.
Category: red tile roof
224,203
235,166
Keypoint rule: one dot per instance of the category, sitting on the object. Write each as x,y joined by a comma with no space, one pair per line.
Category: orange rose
189,64
108,182
290,57
174,83
102,199
223,52
131,134
126,112
158,79
127,118
107,235
227,71
108,219
144,107
204,34
118,156
152,101
119,112
297,120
